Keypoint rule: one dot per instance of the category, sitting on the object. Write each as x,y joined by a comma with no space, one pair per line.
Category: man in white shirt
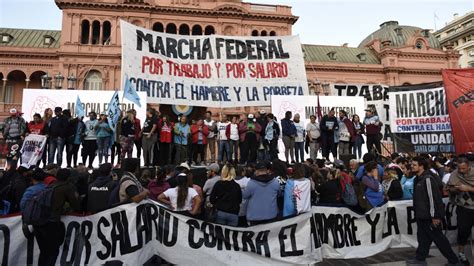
211,138
224,145
314,133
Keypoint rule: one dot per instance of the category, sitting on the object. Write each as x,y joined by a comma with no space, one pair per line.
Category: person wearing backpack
50,235
370,194
38,185
129,188
99,191
348,195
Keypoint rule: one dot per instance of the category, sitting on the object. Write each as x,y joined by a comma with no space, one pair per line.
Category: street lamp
58,81
46,81
71,82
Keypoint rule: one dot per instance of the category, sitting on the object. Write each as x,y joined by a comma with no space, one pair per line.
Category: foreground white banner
211,71
136,234
37,100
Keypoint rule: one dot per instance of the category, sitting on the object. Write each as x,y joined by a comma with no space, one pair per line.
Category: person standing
57,130
127,135
48,114
14,129
138,138
299,138
261,117
288,129
244,150
149,136
211,138
313,134
232,133
181,134
89,145
199,133
104,133
329,125
79,129
116,148
166,128
252,138
429,213
226,196
358,139
373,126
36,126
224,145
213,176
346,133
461,190
270,139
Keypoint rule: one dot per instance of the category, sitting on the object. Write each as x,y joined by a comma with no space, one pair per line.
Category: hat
214,167
13,111
262,165
58,109
262,112
339,164
250,116
185,165
369,109
103,113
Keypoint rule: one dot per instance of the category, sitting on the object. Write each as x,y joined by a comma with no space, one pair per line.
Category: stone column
101,33
4,89
90,32
27,80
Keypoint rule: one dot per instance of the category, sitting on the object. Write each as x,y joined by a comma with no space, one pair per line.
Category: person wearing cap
373,127
14,128
182,131
56,130
213,176
288,129
329,125
224,145
262,192
182,198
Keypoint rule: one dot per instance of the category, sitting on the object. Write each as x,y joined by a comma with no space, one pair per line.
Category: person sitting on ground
131,190
182,198
370,189
297,197
261,193
226,196
99,190
391,185
37,180
158,185
330,189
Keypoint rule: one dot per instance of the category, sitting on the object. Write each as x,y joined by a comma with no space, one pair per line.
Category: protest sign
32,149
460,98
136,234
211,71
376,96
419,119
37,100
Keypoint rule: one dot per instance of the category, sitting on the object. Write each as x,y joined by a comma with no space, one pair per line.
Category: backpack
114,197
349,195
38,209
98,196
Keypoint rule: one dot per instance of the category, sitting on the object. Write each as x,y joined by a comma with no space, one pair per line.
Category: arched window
184,29
85,32
273,33
171,28
106,33
158,27
255,33
95,32
264,33
197,30
93,81
209,30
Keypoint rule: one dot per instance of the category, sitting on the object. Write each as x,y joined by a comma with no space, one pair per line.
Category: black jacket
427,197
57,127
324,125
227,196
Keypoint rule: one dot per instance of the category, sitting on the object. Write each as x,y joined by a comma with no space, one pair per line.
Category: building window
93,81
6,38
95,32
197,30
255,33
362,57
209,30
184,29
85,32
171,28
273,33
106,29
158,27
264,33
332,55
9,93
48,40
419,44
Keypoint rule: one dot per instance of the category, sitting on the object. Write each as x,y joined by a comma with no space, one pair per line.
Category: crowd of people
245,185
247,139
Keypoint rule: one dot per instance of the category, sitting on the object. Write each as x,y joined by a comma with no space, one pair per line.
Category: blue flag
79,110
130,93
113,113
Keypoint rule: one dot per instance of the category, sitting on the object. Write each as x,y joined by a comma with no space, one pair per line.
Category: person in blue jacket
37,179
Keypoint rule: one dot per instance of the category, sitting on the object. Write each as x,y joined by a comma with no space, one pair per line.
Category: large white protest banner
211,71
136,234
32,149
37,100
376,96
419,118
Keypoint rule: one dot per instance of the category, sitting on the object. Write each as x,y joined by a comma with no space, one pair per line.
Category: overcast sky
331,22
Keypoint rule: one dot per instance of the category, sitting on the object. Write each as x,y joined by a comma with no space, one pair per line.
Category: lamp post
58,81
46,81
71,82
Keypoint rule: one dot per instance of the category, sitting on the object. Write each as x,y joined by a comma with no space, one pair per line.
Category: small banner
459,84
32,149
211,71
137,234
419,119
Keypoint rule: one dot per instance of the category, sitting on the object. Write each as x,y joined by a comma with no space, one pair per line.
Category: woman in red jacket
199,132
165,128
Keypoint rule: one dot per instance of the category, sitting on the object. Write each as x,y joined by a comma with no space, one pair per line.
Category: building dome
399,35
